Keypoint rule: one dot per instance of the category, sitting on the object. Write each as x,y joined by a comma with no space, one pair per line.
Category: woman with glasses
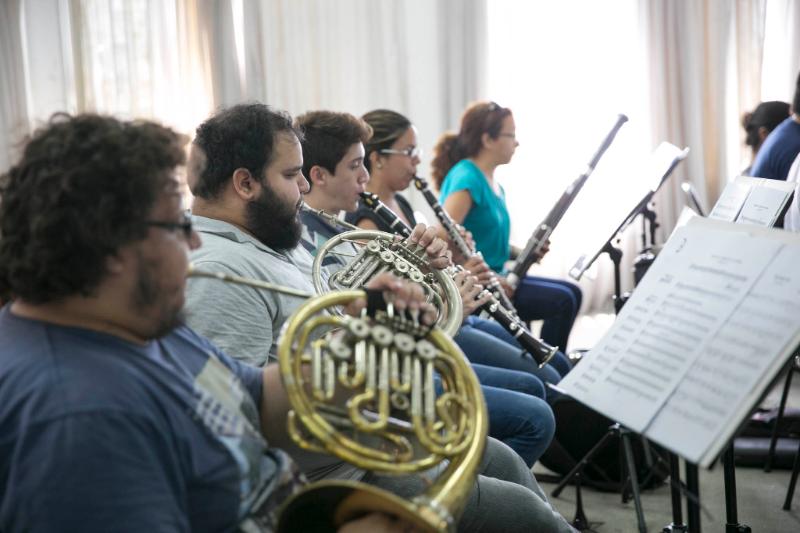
391,157
463,171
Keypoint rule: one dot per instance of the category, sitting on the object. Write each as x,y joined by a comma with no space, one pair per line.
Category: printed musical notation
713,321
755,201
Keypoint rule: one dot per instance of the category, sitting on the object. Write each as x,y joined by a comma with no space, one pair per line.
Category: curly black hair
242,136
82,189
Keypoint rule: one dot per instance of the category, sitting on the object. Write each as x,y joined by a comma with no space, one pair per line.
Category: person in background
759,123
791,221
463,169
781,146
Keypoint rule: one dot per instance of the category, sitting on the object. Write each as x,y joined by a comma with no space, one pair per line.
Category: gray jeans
505,498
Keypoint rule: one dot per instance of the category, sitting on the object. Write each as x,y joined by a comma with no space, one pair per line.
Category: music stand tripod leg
693,497
580,522
787,504
677,525
732,521
583,462
625,435
773,439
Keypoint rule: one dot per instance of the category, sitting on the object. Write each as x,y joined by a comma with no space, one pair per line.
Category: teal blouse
488,219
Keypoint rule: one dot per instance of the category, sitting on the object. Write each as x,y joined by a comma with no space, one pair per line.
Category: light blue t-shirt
488,219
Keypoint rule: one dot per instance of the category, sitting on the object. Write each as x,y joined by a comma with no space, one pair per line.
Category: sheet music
730,201
684,299
721,386
762,206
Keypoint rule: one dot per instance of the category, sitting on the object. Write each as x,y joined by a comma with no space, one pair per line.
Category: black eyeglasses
184,225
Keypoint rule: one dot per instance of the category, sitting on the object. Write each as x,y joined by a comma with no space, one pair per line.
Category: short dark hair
83,188
242,136
766,115
327,137
387,126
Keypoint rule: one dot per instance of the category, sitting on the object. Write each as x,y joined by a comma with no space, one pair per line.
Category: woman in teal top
463,170
488,220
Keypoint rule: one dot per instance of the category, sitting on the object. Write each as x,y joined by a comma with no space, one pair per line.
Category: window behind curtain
566,69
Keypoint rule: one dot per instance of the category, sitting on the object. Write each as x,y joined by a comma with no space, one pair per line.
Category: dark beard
148,297
273,222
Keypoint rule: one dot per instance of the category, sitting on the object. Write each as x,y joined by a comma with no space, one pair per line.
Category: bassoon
534,249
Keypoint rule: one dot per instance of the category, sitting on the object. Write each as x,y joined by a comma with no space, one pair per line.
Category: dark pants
557,302
518,416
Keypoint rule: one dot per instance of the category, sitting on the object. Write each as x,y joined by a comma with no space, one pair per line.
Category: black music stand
692,487
583,264
630,484
692,199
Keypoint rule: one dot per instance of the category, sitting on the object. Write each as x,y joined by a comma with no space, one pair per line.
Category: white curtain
567,69
710,62
13,104
130,58
177,60
423,59
142,58
781,60
683,71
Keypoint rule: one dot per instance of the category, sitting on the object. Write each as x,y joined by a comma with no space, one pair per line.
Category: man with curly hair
115,416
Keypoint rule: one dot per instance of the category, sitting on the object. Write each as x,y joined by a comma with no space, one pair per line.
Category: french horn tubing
382,252
362,389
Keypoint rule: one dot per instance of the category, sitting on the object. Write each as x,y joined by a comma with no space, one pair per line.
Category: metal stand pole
732,521
615,254
693,505
580,522
585,460
625,435
629,465
787,504
773,440
677,525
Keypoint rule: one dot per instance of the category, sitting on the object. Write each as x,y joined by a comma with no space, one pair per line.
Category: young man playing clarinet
333,162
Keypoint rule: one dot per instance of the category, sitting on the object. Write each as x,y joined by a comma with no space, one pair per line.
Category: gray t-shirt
246,322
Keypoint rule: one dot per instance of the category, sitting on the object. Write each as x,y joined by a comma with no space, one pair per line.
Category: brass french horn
362,389
382,252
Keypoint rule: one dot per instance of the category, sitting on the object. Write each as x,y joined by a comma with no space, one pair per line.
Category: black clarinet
533,251
452,230
537,348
